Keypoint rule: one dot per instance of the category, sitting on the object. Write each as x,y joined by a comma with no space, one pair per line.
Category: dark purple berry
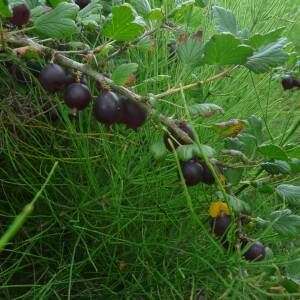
177,141
288,83
77,96
221,224
297,83
132,113
52,78
82,3
208,176
192,172
255,252
20,15
107,109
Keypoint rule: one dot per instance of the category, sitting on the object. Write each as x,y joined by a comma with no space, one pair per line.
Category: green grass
113,223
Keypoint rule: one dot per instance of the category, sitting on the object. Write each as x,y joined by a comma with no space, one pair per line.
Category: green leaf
289,193
202,3
94,8
5,10
259,40
234,176
187,152
255,128
267,57
143,7
277,167
225,49
205,109
294,151
181,7
248,144
190,52
290,285
285,223
158,150
59,22
54,3
225,20
272,151
238,205
123,25
295,165
155,14
121,74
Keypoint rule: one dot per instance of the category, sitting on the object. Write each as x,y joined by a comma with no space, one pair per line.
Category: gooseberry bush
67,46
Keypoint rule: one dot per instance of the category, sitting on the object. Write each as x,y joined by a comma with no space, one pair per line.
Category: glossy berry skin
175,139
52,78
288,83
132,113
77,96
221,224
107,109
82,3
20,15
208,177
255,252
192,172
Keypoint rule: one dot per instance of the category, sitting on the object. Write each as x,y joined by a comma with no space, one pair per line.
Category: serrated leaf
190,52
255,127
277,167
225,20
143,7
155,14
59,22
285,223
123,25
94,8
238,205
259,40
248,144
158,150
187,152
230,128
182,6
289,193
234,176
121,74
267,57
5,10
272,151
205,109
225,49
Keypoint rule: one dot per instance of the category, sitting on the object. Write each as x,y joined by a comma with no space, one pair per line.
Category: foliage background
114,222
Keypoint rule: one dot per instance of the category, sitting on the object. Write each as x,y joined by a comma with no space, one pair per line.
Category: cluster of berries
290,83
108,107
221,220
